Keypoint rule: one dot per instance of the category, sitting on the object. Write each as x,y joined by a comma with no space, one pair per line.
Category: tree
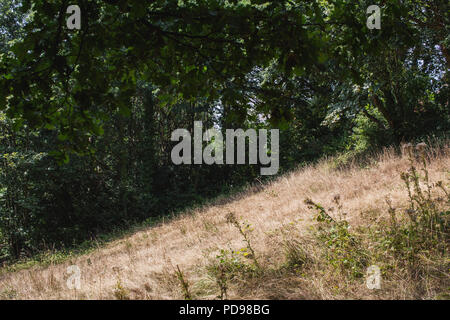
59,79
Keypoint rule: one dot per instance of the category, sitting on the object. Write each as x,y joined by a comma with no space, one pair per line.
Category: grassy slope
142,266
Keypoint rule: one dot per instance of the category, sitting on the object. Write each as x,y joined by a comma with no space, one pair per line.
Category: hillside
300,252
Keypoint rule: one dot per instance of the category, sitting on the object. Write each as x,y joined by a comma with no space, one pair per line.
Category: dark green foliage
130,178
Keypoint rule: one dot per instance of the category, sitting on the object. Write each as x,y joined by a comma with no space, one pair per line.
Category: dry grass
144,265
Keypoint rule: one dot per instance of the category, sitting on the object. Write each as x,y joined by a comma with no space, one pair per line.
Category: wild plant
341,248
185,286
422,229
120,292
244,229
295,256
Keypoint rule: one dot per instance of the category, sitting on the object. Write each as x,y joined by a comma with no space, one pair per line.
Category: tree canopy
70,80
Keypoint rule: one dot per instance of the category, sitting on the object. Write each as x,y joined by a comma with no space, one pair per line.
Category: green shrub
342,249
422,229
